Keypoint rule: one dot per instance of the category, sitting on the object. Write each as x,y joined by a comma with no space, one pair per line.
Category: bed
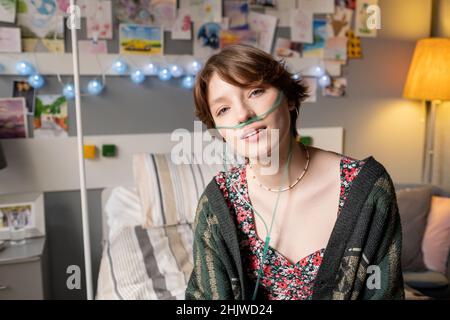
147,224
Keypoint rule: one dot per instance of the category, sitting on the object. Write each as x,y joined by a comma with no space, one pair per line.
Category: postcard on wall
23,89
148,12
8,11
133,11
13,118
40,19
43,45
336,49
237,11
311,84
10,40
99,19
203,10
319,36
266,26
282,11
317,6
339,22
264,3
337,88
92,47
206,39
362,19
182,28
228,37
302,26
285,48
50,117
140,39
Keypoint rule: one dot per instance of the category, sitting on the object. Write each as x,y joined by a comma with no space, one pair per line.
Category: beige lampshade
429,73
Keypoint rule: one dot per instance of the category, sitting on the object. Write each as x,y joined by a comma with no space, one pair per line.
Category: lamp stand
427,176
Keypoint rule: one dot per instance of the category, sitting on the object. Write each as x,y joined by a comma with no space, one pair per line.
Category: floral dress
280,279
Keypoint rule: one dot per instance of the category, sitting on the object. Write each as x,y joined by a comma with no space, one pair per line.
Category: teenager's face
231,105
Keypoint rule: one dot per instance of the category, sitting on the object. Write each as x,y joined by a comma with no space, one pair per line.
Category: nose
244,112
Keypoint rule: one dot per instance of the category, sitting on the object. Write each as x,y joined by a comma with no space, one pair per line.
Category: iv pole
73,25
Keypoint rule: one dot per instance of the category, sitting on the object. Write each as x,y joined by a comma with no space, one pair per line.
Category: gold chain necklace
290,186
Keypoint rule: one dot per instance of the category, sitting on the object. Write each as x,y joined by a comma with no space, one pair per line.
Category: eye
222,110
257,91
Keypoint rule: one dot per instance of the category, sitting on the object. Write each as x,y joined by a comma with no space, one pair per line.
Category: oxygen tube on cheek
276,104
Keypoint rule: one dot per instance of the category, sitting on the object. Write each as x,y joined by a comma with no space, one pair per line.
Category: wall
377,121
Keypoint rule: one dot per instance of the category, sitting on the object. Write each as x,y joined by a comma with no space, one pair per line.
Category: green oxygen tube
285,175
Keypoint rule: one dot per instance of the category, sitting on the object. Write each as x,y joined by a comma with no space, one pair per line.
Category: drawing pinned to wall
317,6
207,38
165,13
237,11
285,48
93,47
316,49
302,26
22,89
43,45
182,29
13,118
354,50
339,22
40,19
362,17
203,10
50,117
10,40
311,84
149,12
248,37
140,39
337,88
99,19
8,10
282,11
266,26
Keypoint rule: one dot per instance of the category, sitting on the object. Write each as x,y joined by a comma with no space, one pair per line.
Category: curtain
441,164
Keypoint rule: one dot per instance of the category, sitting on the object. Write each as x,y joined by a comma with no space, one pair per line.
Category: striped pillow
141,264
169,192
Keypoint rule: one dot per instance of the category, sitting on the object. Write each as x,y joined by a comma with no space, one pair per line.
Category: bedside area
23,271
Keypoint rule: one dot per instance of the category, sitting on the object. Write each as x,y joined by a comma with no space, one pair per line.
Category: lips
251,132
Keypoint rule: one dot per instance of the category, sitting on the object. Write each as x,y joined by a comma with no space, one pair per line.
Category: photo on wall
140,39
8,10
50,117
23,89
13,118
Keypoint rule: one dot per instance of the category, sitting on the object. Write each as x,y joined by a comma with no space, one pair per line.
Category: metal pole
82,170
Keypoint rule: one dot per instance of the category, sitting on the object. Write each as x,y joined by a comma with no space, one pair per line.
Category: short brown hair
246,66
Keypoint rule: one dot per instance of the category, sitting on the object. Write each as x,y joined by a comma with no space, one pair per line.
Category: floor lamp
429,80
82,172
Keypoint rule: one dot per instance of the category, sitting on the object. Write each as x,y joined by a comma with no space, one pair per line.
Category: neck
279,177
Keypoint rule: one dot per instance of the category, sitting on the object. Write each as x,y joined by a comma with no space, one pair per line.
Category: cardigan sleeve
208,280
388,254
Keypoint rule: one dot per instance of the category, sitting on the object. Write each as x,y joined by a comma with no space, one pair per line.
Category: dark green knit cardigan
366,233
